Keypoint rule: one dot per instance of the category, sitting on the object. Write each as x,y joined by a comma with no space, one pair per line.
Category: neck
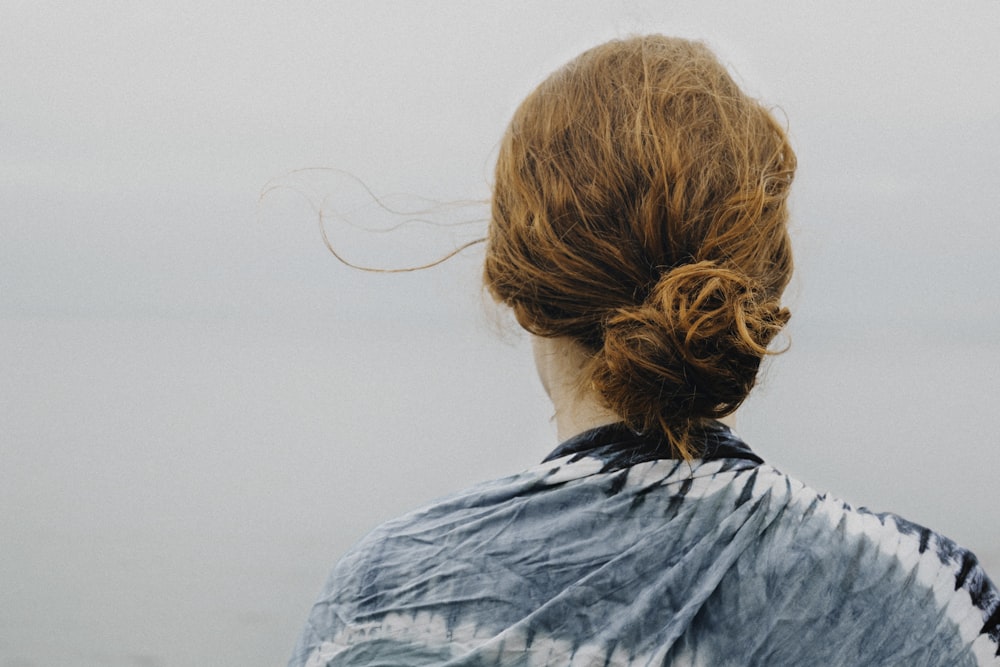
578,407
561,364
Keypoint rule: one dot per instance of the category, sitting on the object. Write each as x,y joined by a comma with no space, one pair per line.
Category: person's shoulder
858,557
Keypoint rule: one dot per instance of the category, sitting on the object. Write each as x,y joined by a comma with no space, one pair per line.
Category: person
639,233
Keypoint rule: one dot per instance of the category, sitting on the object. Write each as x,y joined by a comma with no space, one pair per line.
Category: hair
640,208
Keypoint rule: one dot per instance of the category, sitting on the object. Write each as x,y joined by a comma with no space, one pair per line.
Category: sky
138,136
196,394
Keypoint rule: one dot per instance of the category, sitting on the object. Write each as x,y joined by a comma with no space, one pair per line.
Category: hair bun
691,351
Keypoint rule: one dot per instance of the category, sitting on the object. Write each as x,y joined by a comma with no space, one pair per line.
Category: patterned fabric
610,553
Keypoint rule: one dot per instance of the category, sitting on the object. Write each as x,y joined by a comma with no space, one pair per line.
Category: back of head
639,208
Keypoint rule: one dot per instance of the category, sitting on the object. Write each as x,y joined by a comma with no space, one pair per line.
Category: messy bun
690,351
639,208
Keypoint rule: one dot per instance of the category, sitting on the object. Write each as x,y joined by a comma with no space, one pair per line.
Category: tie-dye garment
610,553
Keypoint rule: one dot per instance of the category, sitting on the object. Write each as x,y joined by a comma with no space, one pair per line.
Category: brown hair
639,208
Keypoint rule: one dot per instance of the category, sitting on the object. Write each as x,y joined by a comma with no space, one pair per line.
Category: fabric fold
612,553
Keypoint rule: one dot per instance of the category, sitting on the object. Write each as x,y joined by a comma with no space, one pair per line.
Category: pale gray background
200,408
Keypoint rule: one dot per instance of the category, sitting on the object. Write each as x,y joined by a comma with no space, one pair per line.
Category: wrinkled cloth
610,553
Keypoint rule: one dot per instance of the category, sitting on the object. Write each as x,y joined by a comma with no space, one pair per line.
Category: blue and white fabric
611,553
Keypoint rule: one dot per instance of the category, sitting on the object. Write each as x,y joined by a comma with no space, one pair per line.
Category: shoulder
894,575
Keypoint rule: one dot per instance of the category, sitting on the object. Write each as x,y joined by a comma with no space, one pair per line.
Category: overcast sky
137,136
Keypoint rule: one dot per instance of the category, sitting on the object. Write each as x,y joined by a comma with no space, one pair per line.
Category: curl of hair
690,351
639,193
